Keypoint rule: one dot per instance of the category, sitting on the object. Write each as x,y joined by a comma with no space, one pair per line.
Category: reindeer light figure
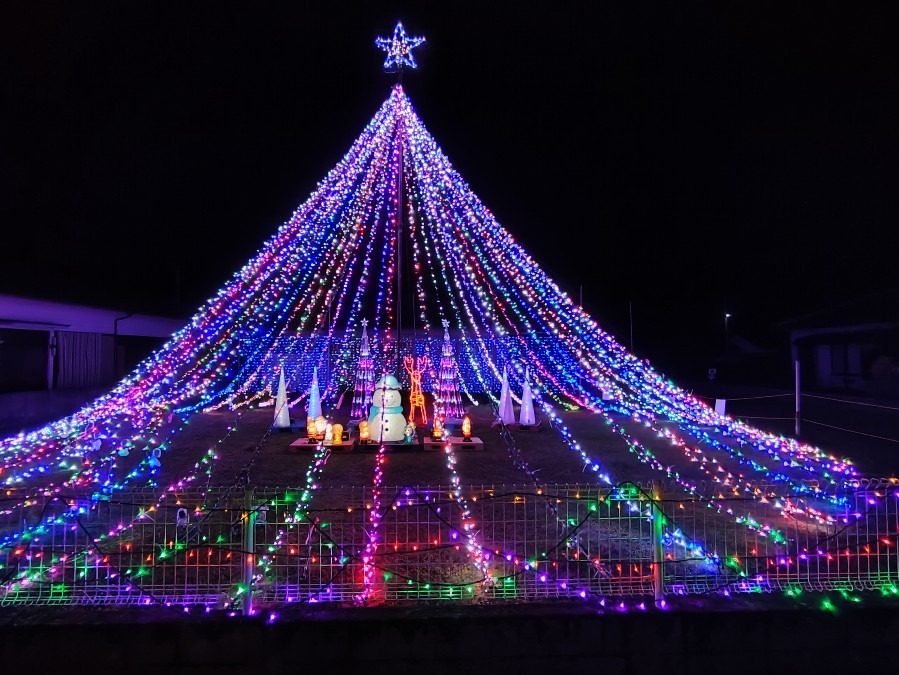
416,397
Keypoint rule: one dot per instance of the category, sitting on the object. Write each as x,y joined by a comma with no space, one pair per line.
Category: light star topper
399,49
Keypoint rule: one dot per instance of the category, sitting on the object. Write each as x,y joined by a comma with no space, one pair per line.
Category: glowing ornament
466,428
154,458
337,434
364,434
321,426
437,428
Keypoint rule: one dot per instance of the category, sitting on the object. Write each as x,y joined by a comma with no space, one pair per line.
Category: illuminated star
399,48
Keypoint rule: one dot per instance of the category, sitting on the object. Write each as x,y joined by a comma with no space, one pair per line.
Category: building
852,346
56,356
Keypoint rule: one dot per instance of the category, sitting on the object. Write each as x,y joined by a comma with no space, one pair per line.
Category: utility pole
727,316
630,311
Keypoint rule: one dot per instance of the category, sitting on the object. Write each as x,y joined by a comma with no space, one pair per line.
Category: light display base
390,446
308,444
457,443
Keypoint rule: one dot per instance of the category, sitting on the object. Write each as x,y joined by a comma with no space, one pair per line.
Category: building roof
877,308
33,314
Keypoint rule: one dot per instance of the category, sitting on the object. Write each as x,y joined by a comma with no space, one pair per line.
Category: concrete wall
673,643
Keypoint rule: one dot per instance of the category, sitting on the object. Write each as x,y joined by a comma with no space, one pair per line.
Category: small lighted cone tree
466,428
282,412
447,401
365,377
506,411
526,417
314,409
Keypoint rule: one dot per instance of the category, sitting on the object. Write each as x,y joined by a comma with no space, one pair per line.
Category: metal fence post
658,552
249,547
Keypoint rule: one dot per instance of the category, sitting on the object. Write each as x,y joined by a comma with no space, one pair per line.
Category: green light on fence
387,576
408,582
220,539
827,605
733,563
594,507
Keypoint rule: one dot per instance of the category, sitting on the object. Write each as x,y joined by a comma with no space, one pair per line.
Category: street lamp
727,316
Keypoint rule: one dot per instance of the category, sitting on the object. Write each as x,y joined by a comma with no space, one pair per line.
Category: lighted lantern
329,434
364,434
338,434
466,428
310,427
437,429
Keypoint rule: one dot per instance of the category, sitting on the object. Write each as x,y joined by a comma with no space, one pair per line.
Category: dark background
666,163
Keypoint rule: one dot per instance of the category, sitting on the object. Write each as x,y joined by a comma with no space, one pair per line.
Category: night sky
664,162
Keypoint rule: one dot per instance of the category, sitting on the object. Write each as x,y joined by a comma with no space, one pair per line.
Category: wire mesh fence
243,550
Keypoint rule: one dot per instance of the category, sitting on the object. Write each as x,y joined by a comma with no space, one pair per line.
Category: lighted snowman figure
386,415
